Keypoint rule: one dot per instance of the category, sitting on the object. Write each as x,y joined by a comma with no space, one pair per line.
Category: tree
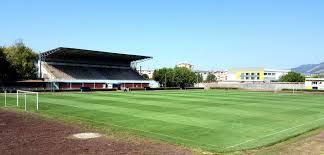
164,76
7,73
211,78
179,76
199,78
22,60
145,76
184,77
292,77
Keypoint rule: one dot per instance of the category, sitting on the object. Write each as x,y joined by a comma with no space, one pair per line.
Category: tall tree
292,77
22,60
179,76
184,77
211,78
7,73
164,76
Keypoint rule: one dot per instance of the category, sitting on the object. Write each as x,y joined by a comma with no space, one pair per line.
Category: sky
210,34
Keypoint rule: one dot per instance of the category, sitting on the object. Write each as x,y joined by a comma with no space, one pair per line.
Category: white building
255,74
274,74
186,65
314,83
220,75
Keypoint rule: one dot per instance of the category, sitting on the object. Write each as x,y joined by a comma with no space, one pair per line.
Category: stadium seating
92,73
54,72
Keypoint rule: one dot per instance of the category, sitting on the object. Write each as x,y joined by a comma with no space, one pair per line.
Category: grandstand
71,68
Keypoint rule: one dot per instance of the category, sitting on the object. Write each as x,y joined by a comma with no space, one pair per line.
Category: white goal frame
27,92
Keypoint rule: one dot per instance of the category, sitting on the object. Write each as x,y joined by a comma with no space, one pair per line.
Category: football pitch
214,120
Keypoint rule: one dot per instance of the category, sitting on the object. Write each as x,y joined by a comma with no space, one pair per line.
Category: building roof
74,53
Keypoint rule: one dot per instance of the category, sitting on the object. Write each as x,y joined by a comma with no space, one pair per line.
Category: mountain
310,69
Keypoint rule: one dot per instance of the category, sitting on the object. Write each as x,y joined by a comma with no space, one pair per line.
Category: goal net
24,94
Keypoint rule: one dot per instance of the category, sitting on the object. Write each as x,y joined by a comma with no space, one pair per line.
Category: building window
247,73
258,78
273,73
258,73
246,78
252,78
265,73
314,82
252,73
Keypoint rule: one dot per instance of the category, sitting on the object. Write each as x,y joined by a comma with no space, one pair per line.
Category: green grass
215,120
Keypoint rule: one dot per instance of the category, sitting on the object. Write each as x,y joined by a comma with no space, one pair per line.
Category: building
148,72
187,65
255,74
314,83
318,75
71,68
220,75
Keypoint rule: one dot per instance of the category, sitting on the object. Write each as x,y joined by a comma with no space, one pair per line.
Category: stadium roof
74,53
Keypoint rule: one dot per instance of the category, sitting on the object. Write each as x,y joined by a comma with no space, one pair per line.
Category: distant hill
310,68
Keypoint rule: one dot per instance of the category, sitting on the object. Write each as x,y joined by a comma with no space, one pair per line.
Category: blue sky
210,34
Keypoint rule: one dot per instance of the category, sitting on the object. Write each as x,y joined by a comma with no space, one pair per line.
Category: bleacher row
91,73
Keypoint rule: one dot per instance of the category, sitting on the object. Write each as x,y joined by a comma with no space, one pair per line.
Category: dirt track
27,134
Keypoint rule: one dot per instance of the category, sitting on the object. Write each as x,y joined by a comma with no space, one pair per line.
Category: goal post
25,97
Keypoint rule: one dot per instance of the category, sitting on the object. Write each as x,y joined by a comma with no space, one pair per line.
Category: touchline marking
272,134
